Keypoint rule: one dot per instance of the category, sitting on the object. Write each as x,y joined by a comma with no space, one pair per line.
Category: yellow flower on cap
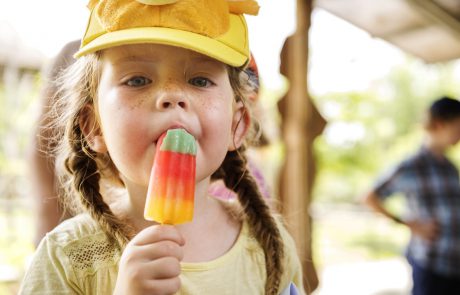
215,28
157,2
243,6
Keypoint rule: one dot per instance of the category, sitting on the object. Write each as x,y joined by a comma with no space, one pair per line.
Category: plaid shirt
431,186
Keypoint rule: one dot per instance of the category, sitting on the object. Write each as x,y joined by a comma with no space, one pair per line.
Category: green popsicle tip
179,141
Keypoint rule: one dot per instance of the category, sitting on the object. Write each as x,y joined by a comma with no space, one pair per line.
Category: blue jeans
427,282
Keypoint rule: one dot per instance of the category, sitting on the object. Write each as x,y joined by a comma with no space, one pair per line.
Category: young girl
146,66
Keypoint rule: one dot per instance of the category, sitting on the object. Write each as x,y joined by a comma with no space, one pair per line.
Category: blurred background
373,68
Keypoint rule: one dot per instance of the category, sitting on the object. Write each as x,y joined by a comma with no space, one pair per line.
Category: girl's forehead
155,52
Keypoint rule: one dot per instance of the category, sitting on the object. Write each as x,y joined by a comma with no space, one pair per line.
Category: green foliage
18,93
370,131
17,107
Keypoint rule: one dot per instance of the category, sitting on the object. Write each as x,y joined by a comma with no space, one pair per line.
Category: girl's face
145,90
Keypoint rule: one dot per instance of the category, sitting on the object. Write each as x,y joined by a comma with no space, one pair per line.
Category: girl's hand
150,264
426,229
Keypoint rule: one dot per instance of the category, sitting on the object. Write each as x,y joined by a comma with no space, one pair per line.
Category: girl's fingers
161,249
163,287
157,233
163,268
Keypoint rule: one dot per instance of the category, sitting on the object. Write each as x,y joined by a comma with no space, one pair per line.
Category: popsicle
170,195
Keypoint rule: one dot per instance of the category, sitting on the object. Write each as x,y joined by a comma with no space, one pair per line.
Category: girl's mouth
169,128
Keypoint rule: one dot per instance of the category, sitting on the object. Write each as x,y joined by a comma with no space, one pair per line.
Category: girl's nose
172,97
170,102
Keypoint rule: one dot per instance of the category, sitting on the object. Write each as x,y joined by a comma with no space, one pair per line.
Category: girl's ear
240,126
91,129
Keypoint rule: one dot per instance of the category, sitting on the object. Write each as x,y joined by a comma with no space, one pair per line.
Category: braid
263,226
82,165
77,87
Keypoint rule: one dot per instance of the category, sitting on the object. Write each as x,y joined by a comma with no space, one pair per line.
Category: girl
146,66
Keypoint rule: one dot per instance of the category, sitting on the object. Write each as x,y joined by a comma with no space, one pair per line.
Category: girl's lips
170,128
177,127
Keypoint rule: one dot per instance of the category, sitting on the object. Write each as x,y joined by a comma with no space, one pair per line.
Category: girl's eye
201,82
138,81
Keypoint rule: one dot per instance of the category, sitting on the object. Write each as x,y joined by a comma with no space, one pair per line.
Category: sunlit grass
351,234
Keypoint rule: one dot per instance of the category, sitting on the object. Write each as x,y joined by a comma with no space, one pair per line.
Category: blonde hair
85,168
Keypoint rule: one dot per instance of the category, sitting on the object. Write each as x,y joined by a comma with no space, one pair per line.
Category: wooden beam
301,123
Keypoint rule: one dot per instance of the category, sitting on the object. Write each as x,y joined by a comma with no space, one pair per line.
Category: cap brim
211,47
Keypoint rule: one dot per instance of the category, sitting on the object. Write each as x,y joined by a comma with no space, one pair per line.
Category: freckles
173,85
170,84
126,103
138,104
218,101
208,105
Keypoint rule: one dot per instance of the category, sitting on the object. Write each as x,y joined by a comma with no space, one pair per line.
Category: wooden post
301,123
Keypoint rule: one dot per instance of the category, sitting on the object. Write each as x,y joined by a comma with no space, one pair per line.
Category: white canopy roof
428,29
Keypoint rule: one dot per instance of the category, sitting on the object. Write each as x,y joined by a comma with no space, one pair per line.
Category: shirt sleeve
392,182
49,272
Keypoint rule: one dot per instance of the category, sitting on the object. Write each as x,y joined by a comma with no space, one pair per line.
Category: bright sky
38,24
359,60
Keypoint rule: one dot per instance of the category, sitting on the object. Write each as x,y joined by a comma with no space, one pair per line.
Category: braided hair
236,176
77,89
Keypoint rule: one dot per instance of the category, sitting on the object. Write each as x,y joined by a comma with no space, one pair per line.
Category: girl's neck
212,232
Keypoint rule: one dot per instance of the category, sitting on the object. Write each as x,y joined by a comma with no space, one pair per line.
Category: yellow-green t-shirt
76,258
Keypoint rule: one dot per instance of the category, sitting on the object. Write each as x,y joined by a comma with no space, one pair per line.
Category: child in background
430,184
49,211
146,66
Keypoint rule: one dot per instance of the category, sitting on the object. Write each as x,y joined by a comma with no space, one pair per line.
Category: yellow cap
215,28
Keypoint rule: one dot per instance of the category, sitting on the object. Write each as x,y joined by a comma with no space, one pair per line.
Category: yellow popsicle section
170,196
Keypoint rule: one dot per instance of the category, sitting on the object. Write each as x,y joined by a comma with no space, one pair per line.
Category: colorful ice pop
170,196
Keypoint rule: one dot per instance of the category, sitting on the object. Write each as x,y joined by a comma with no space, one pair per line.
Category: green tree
369,131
